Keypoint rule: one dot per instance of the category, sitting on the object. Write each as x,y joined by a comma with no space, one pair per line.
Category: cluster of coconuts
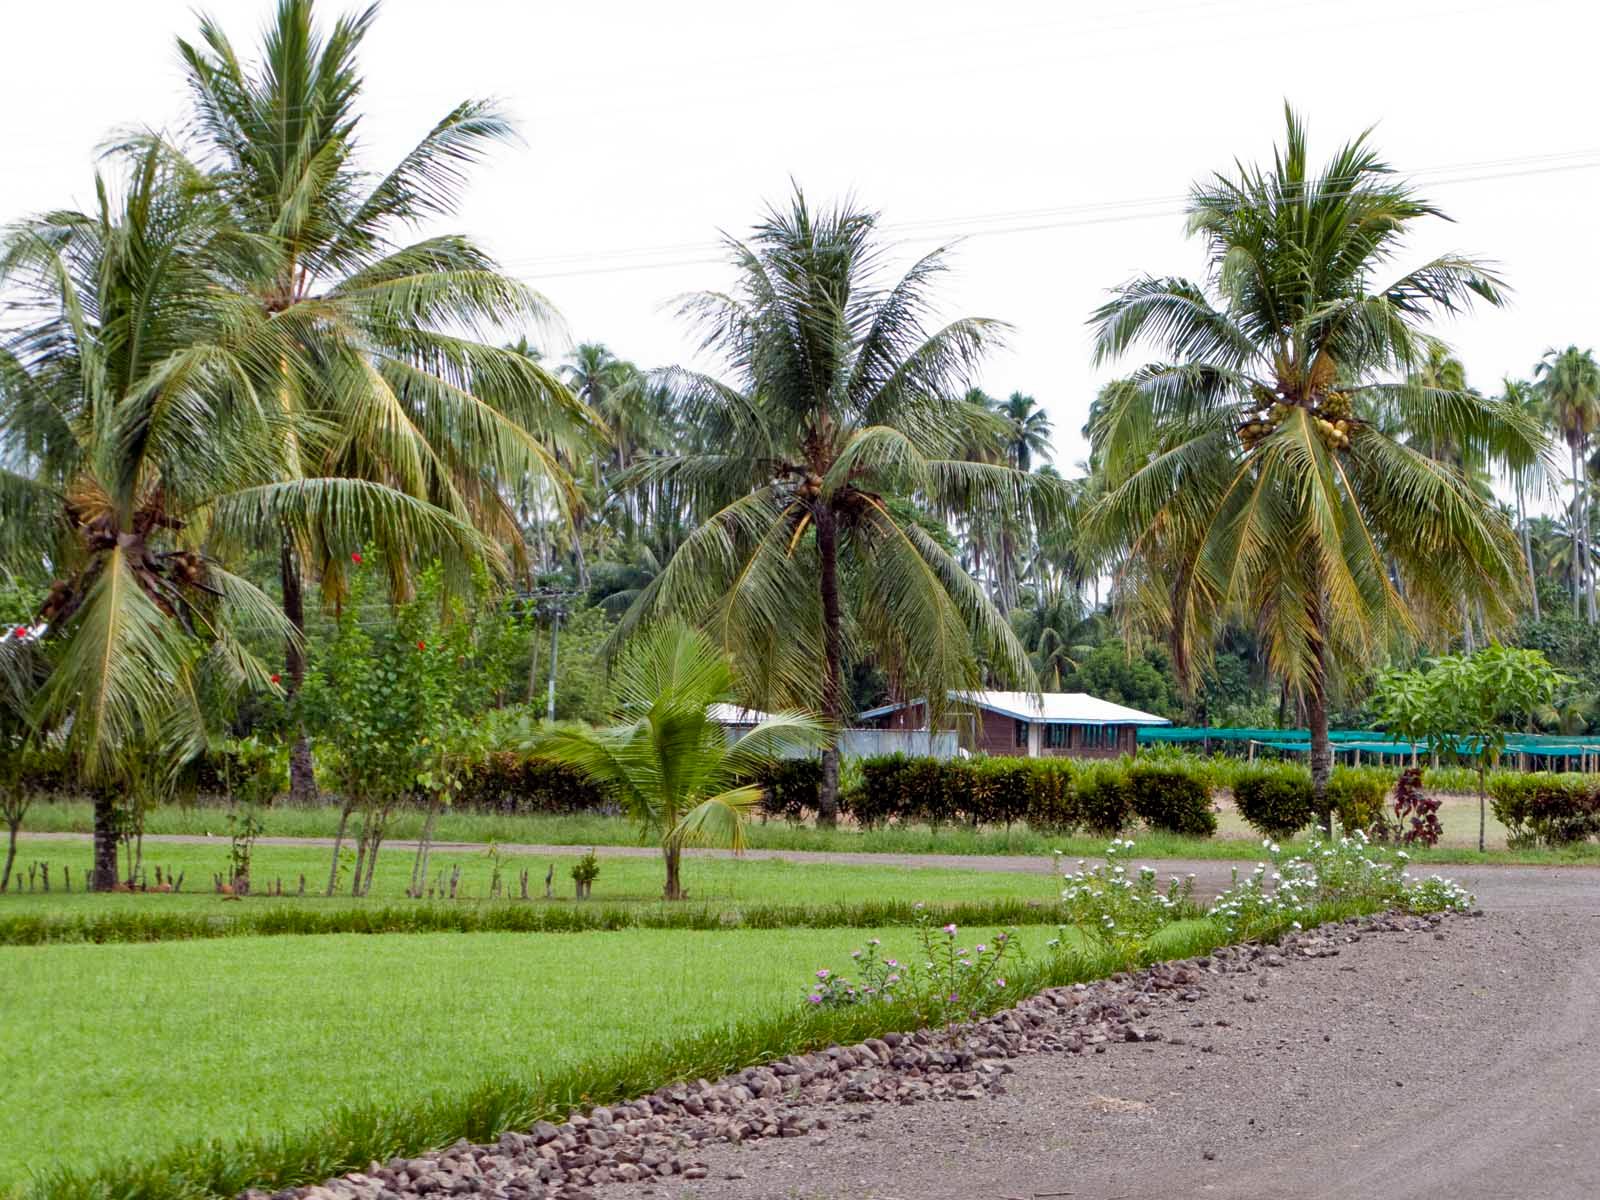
1333,419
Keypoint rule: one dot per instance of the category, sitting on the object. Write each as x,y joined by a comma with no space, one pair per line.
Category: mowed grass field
133,1049
722,879
1234,839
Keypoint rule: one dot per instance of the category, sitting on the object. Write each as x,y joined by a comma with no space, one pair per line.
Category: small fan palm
841,404
1249,475
670,766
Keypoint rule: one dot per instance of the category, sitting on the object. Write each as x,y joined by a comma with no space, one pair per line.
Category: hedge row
1544,808
1277,801
1052,795
512,784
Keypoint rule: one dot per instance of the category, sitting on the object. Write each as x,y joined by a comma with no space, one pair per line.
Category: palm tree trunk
674,888
1577,533
1588,550
833,662
1527,550
105,842
1317,715
302,773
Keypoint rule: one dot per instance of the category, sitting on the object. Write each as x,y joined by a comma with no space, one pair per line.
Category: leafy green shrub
1543,808
1276,802
510,783
879,799
1053,795
1356,795
790,788
1105,800
1053,806
1004,791
1172,799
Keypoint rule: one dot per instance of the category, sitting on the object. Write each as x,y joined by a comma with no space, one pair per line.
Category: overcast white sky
650,126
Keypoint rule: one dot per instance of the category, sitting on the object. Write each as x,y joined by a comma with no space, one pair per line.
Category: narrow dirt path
1499,888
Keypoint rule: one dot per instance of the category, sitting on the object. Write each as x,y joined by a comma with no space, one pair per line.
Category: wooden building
1026,725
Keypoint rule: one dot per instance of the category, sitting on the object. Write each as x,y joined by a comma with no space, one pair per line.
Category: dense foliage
1546,809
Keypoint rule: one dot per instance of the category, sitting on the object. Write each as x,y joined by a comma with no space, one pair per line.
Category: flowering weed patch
948,982
1119,909
1348,871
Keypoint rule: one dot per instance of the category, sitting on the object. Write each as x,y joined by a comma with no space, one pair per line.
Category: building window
1097,737
1057,736
1022,735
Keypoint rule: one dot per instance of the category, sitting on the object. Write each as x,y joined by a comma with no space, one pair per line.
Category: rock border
656,1136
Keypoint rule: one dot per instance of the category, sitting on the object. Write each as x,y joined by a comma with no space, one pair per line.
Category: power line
1033,221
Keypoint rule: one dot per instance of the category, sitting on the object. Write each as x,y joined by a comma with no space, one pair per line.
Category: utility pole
555,633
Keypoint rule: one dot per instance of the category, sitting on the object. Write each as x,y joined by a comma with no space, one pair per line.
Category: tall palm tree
1057,632
840,404
1522,396
1239,478
1028,430
1570,382
138,440
392,382
665,761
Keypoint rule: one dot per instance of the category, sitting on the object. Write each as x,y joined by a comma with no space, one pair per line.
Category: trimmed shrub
513,784
1105,800
1053,795
1543,808
790,788
1356,795
1053,806
1173,800
1274,801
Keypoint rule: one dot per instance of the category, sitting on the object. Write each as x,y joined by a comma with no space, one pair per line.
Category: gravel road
1409,1066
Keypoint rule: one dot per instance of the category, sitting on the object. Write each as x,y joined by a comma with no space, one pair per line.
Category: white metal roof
732,714
1049,708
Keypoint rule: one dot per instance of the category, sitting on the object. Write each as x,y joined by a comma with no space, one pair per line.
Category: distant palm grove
266,416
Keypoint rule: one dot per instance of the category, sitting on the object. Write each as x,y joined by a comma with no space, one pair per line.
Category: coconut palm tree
1570,383
1028,430
838,405
1240,476
393,381
1522,396
1058,632
139,441
671,767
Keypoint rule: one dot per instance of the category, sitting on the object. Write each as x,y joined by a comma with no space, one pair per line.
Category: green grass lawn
1234,840
132,1049
724,879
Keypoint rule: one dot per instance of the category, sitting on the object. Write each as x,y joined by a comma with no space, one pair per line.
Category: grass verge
280,919
721,881
350,1136
1234,841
